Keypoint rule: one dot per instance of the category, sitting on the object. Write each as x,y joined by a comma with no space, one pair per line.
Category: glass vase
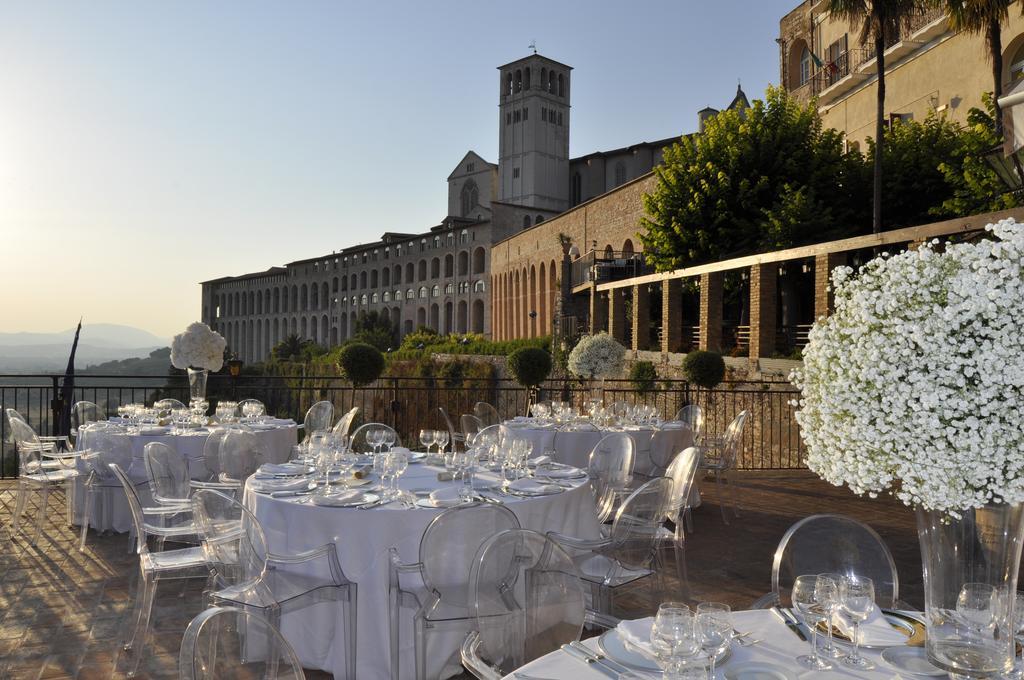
970,584
197,384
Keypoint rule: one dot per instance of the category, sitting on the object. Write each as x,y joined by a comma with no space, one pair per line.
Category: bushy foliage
361,363
644,376
294,348
418,343
373,328
530,366
703,368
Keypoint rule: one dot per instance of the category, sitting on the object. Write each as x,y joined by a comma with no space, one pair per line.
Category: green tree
373,328
292,348
770,177
361,363
879,20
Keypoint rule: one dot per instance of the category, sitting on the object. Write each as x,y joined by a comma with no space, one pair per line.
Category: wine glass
807,594
828,599
400,464
390,437
674,637
714,623
857,595
427,438
441,438
324,459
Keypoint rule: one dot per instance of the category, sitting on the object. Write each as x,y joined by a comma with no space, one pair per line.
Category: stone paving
63,611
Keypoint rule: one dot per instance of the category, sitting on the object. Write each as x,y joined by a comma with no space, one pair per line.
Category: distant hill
94,334
158,362
98,343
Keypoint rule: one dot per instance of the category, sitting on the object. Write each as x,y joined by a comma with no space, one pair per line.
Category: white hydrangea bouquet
198,347
914,385
597,357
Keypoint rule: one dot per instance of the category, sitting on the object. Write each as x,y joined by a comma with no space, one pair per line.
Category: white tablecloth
778,645
363,538
277,444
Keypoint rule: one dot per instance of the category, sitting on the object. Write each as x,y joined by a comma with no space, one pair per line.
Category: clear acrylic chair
228,642
693,416
38,476
660,454
318,418
441,599
487,414
183,563
470,425
241,455
56,449
719,458
168,475
837,544
241,405
454,436
107,444
357,442
527,601
681,472
344,424
82,413
247,575
611,470
625,554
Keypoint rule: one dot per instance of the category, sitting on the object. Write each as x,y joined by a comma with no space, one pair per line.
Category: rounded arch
397,274
518,82
410,272
449,265
526,221
477,317
435,268
479,260
538,219
542,300
421,316
304,297
325,296
798,63
627,247
385,276
608,252
423,270
561,85
1013,62
463,262
324,329
526,78
314,301
531,310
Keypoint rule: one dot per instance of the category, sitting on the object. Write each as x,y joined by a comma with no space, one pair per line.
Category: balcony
841,75
604,267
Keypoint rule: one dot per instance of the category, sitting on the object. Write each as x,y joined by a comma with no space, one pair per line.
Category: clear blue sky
146,146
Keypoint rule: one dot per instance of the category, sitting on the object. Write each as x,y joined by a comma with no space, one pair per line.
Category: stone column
598,311
823,266
617,314
763,291
711,312
671,315
641,317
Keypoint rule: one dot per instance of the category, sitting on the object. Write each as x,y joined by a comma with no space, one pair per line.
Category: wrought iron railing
771,439
605,266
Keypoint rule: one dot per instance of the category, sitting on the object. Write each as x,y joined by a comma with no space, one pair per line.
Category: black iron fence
771,439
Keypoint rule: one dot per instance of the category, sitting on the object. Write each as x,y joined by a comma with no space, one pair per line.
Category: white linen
874,631
777,645
363,538
638,633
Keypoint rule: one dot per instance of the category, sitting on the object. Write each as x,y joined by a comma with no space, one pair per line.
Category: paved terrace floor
62,612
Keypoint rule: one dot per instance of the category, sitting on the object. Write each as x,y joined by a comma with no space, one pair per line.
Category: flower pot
197,384
970,584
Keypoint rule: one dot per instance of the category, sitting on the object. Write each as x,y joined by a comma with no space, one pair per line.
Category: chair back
241,454
318,418
470,425
836,544
451,541
225,642
634,531
344,423
664,447
211,452
693,416
448,425
169,404
732,441
106,444
135,507
610,468
234,545
527,597
682,471
83,412
26,442
487,414
358,443
168,473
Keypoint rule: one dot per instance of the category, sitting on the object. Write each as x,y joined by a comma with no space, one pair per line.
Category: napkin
637,633
538,460
559,472
486,480
444,497
280,484
400,449
280,421
283,469
533,487
154,430
874,631
348,497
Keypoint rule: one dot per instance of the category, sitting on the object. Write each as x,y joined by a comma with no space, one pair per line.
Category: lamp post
234,368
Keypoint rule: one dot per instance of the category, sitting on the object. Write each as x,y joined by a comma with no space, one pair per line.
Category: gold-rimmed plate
907,624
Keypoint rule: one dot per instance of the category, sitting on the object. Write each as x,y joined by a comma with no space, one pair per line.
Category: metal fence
771,439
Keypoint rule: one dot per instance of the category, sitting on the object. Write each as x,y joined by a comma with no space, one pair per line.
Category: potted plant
530,366
597,357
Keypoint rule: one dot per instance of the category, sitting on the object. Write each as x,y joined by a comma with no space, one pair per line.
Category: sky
146,146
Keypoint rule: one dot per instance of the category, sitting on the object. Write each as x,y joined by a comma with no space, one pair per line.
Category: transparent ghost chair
358,442
241,454
82,413
611,470
37,477
318,418
227,642
527,600
256,407
719,458
470,426
835,544
663,448
487,414
56,450
344,423
454,436
441,599
693,416
107,444
681,472
183,563
626,553
171,488
247,575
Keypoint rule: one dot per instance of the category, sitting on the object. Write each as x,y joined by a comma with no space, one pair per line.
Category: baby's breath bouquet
597,357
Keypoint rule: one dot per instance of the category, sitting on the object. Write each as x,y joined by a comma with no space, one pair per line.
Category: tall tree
879,20
983,17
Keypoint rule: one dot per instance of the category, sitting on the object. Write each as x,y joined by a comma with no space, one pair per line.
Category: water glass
714,624
674,637
857,597
805,595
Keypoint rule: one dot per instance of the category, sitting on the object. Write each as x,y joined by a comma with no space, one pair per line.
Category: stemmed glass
441,439
675,638
714,623
807,595
324,459
857,595
427,438
390,437
828,600
466,463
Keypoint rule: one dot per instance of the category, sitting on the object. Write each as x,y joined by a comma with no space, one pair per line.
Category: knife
600,658
792,625
590,661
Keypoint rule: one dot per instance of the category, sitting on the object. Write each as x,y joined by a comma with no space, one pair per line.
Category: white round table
778,645
363,539
277,437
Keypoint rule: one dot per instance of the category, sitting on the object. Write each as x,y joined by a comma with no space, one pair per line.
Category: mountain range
99,342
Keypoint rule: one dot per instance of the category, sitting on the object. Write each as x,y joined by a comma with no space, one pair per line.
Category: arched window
409,273
385,276
551,82
410,294
538,219
469,197
620,173
386,296
423,292
437,242
423,270
362,300
449,288
519,80
334,285
435,268
353,285
526,78
526,221
435,291
373,298
398,296
479,286
397,276
373,279
449,265
805,66
463,263
464,237
577,188
508,83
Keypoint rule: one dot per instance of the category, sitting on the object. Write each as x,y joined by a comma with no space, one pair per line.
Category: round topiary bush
530,366
704,368
361,363
643,374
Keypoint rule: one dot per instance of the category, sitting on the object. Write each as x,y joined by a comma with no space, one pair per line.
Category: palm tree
879,20
290,348
983,16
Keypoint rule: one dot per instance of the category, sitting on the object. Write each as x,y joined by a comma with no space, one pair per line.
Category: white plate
759,670
913,660
336,502
435,505
615,647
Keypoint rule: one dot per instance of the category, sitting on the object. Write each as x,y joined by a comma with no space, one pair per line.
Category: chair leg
41,514
733,496
420,633
86,511
137,643
19,508
721,496
351,629
688,519
273,651
69,496
394,611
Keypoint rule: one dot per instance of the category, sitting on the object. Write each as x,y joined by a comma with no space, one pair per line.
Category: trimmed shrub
706,369
530,366
361,363
644,376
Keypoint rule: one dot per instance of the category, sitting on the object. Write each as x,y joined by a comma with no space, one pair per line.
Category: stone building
928,68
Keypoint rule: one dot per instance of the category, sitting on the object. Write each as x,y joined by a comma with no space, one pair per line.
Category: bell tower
533,144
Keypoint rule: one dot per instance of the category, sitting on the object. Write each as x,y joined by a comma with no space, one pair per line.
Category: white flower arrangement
198,347
597,357
914,384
